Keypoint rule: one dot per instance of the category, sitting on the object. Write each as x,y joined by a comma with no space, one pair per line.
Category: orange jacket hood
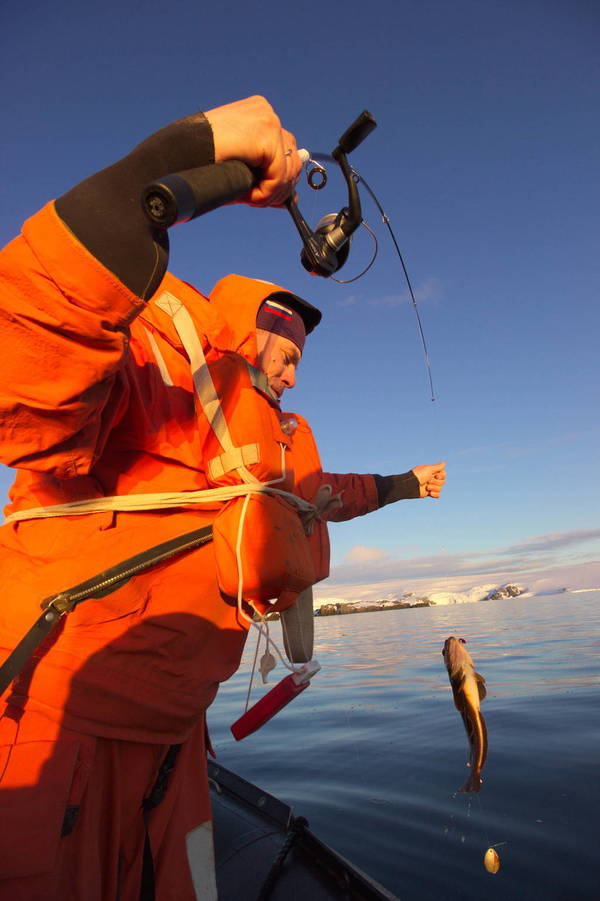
238,299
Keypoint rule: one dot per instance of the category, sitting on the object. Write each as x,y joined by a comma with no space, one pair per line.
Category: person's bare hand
250,130
431,479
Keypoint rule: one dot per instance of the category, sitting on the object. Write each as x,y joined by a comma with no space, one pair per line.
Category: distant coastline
342,609
409,600
412,600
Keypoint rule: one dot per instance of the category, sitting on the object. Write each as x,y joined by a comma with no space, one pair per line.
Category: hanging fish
491,861
468,688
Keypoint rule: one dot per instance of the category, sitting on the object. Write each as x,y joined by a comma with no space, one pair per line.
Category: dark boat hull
264,853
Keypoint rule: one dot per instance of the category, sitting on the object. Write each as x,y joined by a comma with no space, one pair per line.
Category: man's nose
289,376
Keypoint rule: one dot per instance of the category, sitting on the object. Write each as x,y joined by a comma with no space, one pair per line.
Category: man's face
278,358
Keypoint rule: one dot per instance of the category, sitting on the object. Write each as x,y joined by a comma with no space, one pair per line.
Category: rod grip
182,196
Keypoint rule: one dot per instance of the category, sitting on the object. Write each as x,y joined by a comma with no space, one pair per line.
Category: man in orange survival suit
98,402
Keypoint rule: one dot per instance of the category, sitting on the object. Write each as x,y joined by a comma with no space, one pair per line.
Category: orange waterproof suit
98,400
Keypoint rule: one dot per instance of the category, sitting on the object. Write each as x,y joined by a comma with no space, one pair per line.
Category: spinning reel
185,195
326,249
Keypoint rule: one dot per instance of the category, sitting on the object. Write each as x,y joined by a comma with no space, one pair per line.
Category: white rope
159,501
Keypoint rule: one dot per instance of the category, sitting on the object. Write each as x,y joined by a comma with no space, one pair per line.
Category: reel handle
182,196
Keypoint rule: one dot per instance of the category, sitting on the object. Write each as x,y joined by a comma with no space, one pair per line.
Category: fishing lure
491,861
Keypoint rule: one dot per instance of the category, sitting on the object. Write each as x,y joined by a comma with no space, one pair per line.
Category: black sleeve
104,211
397,488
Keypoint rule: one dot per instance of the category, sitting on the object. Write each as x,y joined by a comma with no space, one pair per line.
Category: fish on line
468,690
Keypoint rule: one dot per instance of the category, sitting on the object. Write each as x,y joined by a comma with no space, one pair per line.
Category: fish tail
473,783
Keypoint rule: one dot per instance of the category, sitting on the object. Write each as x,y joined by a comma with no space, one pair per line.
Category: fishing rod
182,196
328,223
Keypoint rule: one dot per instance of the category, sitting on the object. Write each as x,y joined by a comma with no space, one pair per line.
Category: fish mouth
447,646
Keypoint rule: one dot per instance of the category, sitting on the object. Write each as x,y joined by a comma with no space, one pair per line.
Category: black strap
147,886
55,606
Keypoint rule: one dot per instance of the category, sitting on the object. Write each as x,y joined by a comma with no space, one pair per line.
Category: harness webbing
204,387
57,605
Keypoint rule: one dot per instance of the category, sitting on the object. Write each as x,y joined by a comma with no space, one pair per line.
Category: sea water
373,752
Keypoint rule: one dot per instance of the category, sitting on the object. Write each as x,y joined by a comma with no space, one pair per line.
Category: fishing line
349,281
491,860
386,221
358,178
487,837
493,865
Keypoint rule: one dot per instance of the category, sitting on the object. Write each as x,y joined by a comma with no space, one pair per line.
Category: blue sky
486,160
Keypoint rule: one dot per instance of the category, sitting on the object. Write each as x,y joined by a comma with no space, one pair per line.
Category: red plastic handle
270,704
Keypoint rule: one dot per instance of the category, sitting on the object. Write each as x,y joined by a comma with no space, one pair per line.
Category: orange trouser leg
72,821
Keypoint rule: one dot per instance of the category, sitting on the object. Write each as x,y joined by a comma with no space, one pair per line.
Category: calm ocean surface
373,752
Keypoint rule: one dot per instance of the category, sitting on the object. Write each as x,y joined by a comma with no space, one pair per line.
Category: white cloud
430,289
389,300
537,581
511,450
360,553
371,572
553,540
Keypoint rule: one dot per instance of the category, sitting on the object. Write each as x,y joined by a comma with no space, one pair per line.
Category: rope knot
325,501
